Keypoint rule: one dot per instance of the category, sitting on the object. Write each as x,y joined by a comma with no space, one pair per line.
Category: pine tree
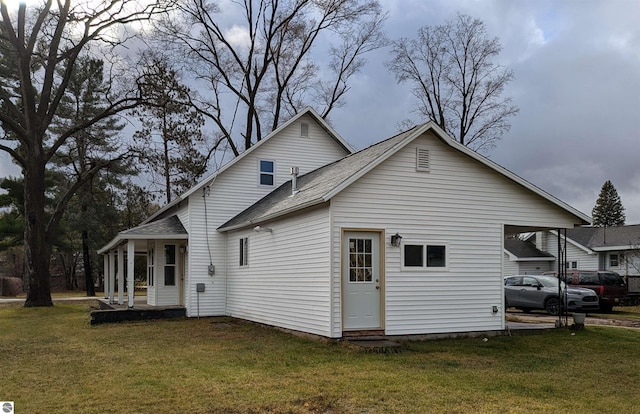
608,210
171,137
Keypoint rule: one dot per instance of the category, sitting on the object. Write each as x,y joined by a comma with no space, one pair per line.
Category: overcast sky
577,83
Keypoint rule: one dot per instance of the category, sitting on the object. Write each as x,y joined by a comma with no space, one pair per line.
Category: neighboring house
521,257
404,237
598,248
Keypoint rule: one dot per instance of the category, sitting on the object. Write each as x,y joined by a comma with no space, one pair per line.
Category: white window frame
243,252
272,173
617,256
424,266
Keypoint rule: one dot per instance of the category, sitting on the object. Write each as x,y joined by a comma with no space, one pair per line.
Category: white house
404,237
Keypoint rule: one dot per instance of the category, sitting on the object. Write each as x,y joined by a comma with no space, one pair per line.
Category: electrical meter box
199,287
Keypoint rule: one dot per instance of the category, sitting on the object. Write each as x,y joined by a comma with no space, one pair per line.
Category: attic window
267,172
422,159
304,130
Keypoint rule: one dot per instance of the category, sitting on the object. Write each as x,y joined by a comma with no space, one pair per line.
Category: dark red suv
609,286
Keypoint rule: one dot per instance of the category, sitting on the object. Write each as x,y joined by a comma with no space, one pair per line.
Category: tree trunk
36,243
86,258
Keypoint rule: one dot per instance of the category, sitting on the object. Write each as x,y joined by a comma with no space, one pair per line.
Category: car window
549,281
530,281
612,279
513,281
588,278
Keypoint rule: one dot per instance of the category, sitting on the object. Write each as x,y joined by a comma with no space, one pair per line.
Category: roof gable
207,181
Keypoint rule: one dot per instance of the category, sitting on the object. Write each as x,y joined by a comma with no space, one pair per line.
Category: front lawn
52,360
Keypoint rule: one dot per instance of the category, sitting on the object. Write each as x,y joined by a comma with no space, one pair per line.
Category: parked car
609,286
527,292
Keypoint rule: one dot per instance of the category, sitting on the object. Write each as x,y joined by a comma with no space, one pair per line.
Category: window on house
267,172
424,255
304,130
244,251
614,260
574,265
170,265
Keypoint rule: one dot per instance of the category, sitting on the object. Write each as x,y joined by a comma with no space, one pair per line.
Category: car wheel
552,306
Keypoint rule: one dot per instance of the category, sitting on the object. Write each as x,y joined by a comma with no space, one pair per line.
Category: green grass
52,360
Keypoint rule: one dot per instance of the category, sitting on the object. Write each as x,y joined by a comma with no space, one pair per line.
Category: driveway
597,319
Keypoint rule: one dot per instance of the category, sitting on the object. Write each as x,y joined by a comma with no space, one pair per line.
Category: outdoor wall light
395,240
259,229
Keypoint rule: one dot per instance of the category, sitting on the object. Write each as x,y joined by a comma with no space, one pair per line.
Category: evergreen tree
608,211
171,138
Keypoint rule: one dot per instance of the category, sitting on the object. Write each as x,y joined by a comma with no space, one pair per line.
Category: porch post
112,277
105,282
131,253
121,266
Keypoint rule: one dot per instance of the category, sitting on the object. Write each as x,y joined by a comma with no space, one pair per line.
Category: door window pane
360,260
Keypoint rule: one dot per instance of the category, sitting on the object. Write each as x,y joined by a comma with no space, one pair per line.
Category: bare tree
262,64
39,47
457,84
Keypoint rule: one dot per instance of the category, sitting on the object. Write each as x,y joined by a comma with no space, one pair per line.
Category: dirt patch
605,320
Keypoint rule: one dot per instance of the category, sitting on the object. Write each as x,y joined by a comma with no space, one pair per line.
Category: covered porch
164,273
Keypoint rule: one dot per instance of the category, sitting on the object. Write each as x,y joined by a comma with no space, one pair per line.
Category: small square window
267,172
413,255
436,256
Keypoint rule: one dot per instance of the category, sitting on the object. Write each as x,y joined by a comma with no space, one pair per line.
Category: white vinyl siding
586,260
509,267
288,281
460,202
233,191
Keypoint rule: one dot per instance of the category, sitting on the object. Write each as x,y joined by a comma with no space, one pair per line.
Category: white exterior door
361,281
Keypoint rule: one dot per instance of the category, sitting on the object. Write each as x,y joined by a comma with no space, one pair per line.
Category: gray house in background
615,249
602,248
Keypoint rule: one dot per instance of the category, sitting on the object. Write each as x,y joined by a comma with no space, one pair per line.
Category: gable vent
422,159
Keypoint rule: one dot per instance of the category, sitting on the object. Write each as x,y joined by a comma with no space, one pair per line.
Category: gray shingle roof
524,250
595,237
166,226
313,186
